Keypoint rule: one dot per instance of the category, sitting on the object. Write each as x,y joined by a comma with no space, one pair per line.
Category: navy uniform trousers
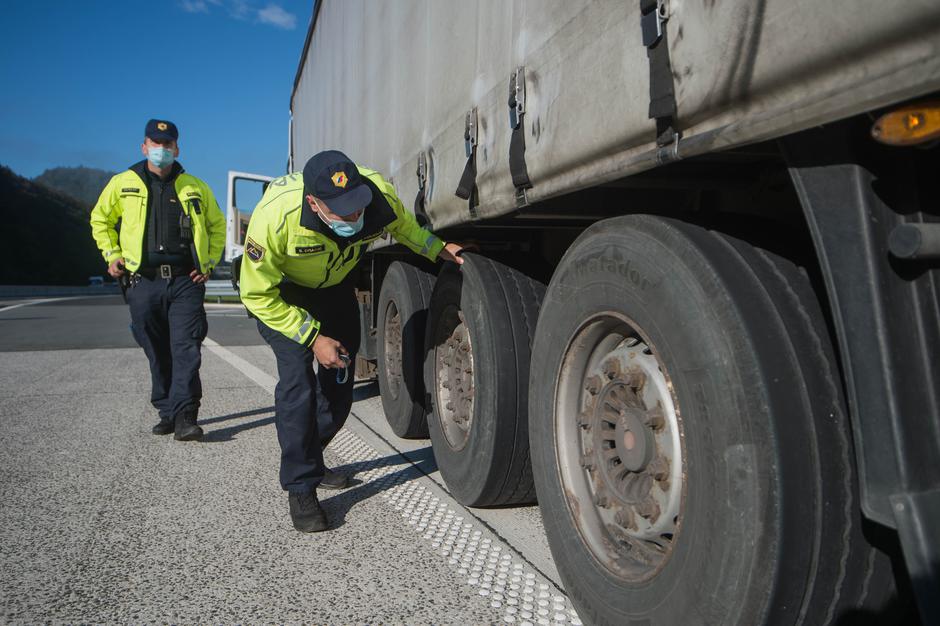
310,407
168,321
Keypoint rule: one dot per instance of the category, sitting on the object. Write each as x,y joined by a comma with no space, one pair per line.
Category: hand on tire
451,252
327,351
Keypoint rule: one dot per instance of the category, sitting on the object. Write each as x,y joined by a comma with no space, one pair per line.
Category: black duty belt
165,271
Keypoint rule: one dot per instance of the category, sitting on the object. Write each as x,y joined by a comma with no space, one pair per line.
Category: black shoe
164,427
334,480
186,428
306,513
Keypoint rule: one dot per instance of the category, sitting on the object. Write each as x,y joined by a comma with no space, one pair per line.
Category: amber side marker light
909,126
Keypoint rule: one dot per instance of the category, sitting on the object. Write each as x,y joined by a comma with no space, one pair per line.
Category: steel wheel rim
619,447
453,361
393,349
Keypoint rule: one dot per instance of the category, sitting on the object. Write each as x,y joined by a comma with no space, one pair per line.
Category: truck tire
402,312
691,448
481,323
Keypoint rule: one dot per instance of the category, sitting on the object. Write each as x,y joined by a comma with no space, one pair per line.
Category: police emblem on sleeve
253,250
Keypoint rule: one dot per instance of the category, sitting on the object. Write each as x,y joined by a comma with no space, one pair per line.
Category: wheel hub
454,363
628,438
393,349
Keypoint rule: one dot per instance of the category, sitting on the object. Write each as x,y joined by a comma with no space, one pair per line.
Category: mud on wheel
624,452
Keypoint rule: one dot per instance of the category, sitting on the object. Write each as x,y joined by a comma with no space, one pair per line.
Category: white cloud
239,9
194,6
274,15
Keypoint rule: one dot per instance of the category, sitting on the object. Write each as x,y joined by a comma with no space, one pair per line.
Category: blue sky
81,78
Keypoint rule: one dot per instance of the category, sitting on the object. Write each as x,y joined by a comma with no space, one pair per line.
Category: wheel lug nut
612,368
655,419
649,509
584,419
593,385
625,519
601,501
587,463
659,469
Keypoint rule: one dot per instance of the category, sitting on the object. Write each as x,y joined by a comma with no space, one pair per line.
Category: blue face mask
160,157
341,228
345,229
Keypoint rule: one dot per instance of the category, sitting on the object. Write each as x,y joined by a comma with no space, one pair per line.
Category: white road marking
40,301
517,594
260,377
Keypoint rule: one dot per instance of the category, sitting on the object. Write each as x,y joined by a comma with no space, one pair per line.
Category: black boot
165,426
186,428
334,480
306,513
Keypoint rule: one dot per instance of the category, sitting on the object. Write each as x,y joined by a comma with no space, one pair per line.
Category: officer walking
171,235
305,237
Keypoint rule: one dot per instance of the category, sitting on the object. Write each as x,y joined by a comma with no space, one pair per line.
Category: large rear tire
691,449
481,322
402,312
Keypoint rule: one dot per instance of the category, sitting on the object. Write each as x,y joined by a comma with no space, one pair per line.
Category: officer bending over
305,237
171,235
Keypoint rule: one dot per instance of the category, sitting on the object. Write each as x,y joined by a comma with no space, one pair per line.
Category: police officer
305,237
171,235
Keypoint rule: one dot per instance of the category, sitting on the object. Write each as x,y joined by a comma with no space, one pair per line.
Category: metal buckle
422,171
166,271
516,97
652,23
470,132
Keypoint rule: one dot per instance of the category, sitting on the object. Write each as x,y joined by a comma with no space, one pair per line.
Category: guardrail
51,291
220,290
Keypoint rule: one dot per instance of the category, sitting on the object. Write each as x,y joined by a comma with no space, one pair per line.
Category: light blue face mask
341,228
345,229
160,157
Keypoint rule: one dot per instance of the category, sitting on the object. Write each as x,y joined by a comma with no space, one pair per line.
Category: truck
698,318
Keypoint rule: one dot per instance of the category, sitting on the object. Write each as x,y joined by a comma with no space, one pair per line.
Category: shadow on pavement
222,418
228,433
365,389
420,463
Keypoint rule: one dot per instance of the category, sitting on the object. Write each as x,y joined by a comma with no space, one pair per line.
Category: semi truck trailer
699,323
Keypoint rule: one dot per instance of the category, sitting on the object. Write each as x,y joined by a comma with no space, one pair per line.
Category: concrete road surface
103,522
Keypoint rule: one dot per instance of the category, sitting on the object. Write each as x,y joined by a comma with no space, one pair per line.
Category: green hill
47,238
82,183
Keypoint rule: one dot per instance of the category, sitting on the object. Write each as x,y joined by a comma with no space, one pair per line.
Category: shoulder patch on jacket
130,190
254,251
309,249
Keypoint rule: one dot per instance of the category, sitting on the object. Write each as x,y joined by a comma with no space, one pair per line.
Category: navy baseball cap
332,177
161,129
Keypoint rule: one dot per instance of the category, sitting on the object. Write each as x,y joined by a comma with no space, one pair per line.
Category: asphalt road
103,522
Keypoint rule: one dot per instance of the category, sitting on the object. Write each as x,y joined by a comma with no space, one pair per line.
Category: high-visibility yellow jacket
124,198
279,246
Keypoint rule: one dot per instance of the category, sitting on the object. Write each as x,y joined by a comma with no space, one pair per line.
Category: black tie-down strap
467,188
517,166
653,16
421,213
